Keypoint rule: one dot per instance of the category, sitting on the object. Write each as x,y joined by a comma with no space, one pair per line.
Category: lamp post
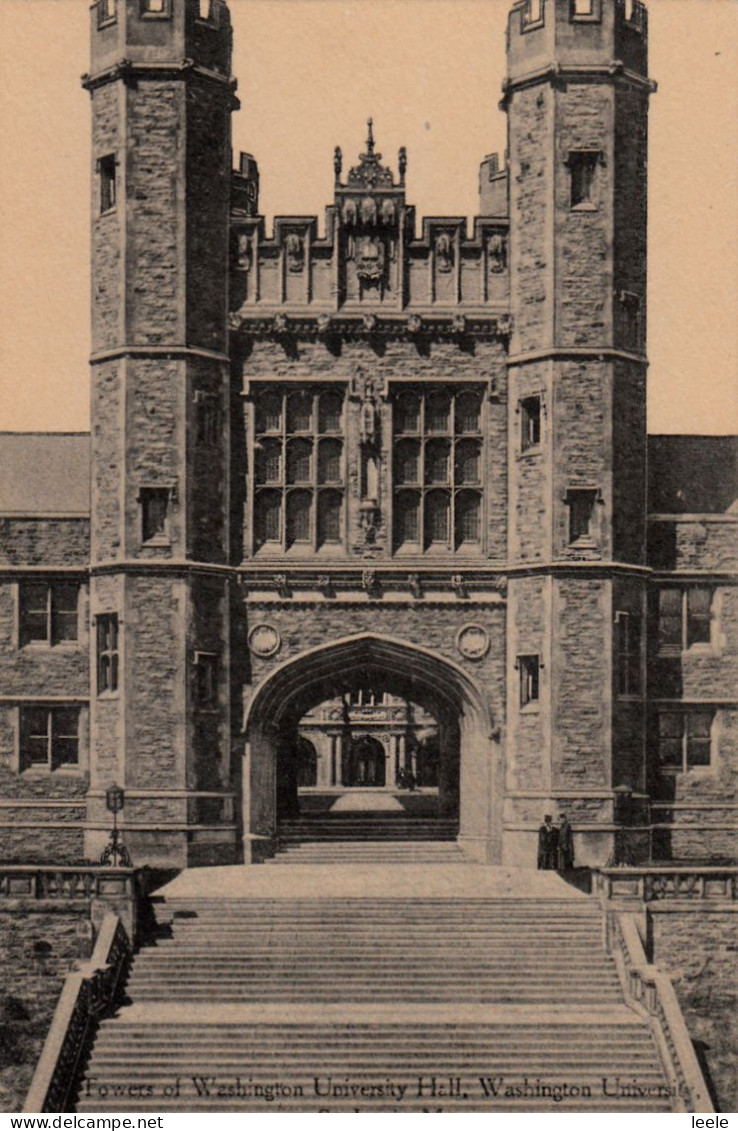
115,853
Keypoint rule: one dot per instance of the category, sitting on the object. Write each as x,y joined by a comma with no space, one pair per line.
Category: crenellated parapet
371,259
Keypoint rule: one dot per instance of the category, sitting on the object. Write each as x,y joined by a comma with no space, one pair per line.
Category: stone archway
471,784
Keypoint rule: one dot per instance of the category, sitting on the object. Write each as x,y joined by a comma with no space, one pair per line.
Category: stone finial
337,163
402,163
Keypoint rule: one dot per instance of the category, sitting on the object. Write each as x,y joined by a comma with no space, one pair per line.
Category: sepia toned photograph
368,556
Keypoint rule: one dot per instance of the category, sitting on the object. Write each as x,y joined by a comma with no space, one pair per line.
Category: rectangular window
581,502
106,12
107,652
583,171
207,419
206,10
529,667
628,653
438,450
48,613
108,184
206,681
299,452
532,14
49,737
584,9
154,514
685,739
685,617
154,7
530,423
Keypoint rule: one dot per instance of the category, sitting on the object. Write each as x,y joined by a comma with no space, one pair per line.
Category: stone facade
405,454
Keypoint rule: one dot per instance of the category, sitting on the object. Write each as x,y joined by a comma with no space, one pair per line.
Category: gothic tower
576,96
162,97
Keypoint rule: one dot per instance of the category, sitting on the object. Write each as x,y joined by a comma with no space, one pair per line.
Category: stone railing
104,889
649,990
86,996
649,883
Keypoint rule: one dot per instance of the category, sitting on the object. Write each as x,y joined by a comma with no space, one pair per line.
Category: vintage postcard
368,557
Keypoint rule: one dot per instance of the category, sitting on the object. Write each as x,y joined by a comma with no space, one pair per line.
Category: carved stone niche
445,253
497,253
294,249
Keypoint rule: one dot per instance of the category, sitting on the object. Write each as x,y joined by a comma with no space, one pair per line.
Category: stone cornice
590,353
127,71
171,351
555,73
331,326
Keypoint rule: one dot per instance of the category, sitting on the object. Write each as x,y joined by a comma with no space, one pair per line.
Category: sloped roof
44,473
692,474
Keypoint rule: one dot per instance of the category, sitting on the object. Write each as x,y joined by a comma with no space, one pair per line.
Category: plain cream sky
310,71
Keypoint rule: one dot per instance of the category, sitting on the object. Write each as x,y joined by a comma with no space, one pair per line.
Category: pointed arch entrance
469,759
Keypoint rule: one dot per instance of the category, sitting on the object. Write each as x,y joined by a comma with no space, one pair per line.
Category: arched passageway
461,758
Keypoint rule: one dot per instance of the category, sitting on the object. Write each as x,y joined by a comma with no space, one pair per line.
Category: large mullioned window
299,469
437,470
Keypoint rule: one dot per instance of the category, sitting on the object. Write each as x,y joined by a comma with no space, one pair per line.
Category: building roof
692,474
44,473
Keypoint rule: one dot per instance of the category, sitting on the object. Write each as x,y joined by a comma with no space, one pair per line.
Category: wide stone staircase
365,837
368,1003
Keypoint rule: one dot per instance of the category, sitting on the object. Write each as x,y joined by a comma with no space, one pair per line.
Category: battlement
576,33
156,32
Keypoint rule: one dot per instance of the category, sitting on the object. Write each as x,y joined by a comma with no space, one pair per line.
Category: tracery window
298,469
437,470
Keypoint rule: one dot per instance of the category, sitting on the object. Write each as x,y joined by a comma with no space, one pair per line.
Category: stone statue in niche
349,213
368,210
497,253
294,247
388,211
368,414
444,253
243,251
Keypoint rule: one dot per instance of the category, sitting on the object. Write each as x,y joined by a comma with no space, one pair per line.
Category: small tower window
581,503
530,423
108,187
155,7
206,681
585,10
532,13
583,171
154,514
529,667
106,12
107,652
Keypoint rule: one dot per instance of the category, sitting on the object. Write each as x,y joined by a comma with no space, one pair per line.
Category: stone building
379,453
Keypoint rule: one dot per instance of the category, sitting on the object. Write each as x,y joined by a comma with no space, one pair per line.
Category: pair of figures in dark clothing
406,779
555,844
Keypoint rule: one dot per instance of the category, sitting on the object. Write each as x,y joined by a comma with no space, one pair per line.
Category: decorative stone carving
369,581
282,585
402,163
458,324
414,324
337,163
349,214
368,210
444,253
472,641
281,323
264,640
370,255
388,212
416,585
458,585
294,247
325,585
324,324
244,252
497,253
369,322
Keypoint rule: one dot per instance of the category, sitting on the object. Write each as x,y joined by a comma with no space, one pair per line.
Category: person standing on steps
548,844
566,844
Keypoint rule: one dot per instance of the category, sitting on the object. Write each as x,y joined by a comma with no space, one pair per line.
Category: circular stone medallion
264,640
472,641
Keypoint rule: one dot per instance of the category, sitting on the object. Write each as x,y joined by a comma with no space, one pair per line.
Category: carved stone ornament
472,641
370,254
369,581
444,253
264,640
414,324
416,585
497,253
324,324
369,322
281,322
458,324
294,247
458,584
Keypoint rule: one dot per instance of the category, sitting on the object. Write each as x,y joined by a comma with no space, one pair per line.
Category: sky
310,72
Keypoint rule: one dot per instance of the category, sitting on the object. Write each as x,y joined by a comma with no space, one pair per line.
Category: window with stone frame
154,514
107,12
438,456
530,423
107,174
299,492
207,419
628,653
106,626
582,502
49,737
206,681
529,673
156,8
685,617
583,169
48,612
532,14
685,738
